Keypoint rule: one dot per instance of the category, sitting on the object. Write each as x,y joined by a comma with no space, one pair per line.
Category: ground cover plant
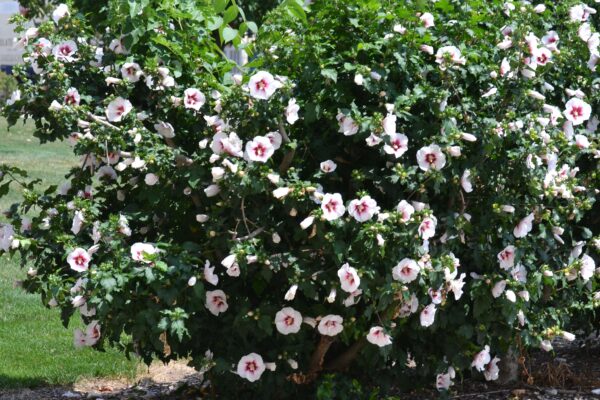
396,191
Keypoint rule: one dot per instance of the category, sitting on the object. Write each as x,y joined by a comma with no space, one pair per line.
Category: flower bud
308,221
568,336
426,49
281,192
212,190
454,151
151,179
468,137
217,173
546,345
291,293
276,238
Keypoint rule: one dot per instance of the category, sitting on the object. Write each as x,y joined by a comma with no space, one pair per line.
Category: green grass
35,349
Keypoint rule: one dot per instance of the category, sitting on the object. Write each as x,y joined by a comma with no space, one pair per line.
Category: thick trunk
509,367
343,361
316,363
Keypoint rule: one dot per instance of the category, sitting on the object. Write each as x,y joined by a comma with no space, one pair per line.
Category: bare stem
289,156
251,235
103,122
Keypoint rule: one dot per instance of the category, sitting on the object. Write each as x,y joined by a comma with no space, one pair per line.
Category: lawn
35,349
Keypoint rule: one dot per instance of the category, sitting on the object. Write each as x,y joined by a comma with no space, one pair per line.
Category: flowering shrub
401,189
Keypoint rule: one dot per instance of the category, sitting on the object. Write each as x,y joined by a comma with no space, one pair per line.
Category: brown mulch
173,381
571,372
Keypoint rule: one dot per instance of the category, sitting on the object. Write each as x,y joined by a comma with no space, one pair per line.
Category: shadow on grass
20,382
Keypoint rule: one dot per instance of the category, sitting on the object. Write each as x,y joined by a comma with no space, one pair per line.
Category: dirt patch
159,381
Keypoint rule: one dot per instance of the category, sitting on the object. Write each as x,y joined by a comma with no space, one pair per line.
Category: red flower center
192,98
349,278
262,84
259,150
430,158
95,333
251,366
331,206
542,59
218,301
65,50
79,260
70,99
577,111
361,208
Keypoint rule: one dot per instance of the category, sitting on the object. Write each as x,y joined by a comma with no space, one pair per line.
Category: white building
9,54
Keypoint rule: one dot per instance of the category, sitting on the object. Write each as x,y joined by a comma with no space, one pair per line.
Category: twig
106,150
85,160
289,156
244,215
183,161
558,390
196,200
170,142
480,393
102,122
251,235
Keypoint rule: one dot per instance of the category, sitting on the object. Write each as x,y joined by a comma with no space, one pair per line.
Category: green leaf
214,23
109,284
295,9
465,331
149,275
163,324
219,5
174,48
252,26
230,14
329,74
229,34
199,290
265,323
191,247
178,328
4,189
444,5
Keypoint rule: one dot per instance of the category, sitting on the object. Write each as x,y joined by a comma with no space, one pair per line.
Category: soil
173,381
571,372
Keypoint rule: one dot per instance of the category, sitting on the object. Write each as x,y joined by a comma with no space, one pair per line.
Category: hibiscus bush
400,192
